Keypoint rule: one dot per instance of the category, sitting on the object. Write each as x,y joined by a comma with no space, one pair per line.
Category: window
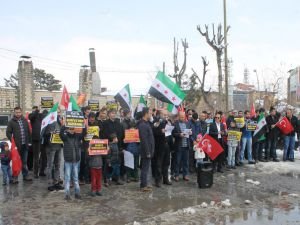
7,103
3,120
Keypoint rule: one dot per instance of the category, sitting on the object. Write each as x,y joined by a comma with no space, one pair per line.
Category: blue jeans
71,169
24,156
289,146
6,170
145,171
182,159
231,155
246,142
115,170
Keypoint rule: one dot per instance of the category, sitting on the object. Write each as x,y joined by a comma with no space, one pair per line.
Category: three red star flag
285,126
50,118
210,146
165,90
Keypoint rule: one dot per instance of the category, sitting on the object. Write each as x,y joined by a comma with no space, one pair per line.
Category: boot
119,182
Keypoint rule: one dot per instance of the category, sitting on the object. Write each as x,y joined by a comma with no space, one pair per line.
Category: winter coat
72,143
133,148
294,122
147,143
178,139
196,129
114,153
203,127
95,161
51,128
213,130
5,156
272,120
161,142
13,129
110,127
36,121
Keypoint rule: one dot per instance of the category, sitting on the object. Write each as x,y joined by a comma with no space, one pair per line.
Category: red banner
285,126
210,146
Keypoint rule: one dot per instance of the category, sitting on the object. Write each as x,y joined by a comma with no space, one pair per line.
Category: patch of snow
226,203
212,203
189,211
204,205
294,195
248,202
253,182
136,223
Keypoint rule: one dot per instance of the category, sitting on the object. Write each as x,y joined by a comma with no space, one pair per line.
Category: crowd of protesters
164,157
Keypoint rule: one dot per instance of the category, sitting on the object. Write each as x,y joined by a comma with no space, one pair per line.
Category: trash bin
205,175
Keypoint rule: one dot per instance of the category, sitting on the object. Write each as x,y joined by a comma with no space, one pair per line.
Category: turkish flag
210,146
15,159
285,126
252,111
65,98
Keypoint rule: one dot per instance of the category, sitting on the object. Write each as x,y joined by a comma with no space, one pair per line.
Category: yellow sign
111,105
91,132
240,122
55,138
46,102
234,135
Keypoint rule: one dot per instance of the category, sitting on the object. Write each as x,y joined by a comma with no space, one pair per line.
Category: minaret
92,60
25,83
96,82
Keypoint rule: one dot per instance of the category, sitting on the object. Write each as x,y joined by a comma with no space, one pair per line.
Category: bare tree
216,42
179,73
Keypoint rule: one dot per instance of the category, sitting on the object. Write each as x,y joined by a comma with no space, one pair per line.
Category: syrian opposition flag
210,146
172,109
65,98
124,97
260,128
50,118
165,90
72,106
142,104
285,126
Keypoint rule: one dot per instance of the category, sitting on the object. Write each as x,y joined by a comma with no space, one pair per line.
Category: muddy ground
274,199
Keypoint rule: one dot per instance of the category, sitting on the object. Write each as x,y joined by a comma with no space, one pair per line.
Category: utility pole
225,58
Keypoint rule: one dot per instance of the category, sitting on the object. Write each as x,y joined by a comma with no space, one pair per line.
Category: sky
133,38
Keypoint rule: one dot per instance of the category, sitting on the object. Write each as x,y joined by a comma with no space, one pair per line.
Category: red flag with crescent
210,146
285,126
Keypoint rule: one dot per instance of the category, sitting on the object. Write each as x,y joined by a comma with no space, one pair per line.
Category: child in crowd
232,145
72,153
114,160
5,163
95,164
199,153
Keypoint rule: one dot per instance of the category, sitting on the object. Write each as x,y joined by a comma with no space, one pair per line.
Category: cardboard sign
46,102
111,105
94,104
91,132
234,135
132,136
55,138
240,122
251,126
74,119
98,147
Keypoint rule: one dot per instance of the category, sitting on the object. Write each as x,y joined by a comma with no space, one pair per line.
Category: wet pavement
275,200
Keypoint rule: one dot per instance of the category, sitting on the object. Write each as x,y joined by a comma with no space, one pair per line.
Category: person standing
182,132
147,148
259,140
217,131
36,121
272,136
18,129
203,123
289,139
162,149
5,157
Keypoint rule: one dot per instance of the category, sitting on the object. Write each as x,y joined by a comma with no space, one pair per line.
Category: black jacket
72,143
110,127
294,122
213,130
203,127
273,132
161,142
101,128
13,129
114,155
51,128
176,133
147,143
36,121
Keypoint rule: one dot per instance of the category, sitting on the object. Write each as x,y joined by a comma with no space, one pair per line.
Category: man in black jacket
216,131
162,150
36,121
272,136
18,128
289,139
182,132
147,148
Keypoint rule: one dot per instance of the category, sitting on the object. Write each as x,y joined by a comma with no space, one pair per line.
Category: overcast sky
132,38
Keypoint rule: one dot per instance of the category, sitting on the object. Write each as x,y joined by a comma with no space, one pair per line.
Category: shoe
98,193
233,167
157,184
51,188
60,181
292,160
251,162
78,196
81,183
58,187
220,170
276,160
15,181
262,160
4,184
167,182
118,182
186,178
267,160
68,198
93,194
42,174
146,189
36,176
176,179
27,178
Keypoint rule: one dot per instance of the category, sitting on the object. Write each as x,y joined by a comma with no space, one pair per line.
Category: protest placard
251,126
234,135
74,119
98,147
55,138
46,102
91,132
240,122
94,104
131,136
